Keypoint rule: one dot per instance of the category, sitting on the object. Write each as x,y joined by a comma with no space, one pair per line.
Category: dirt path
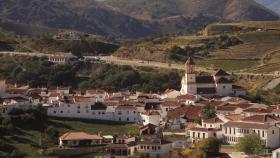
268,56
135,62
272,84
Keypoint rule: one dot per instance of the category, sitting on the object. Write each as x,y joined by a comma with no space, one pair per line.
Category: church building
218,85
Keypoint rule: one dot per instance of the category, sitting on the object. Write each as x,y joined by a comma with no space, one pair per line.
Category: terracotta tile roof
234,117
235,100
226,108
190,112
257,110
261,119
149,113
79,136
247,125
213,120
240,105
212,103
221,72
171,103
205,79
187,97
54,94
177,112
95,91
168,91
83,99
16,91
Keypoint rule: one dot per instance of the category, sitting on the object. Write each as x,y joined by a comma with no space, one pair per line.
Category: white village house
72,139
269,134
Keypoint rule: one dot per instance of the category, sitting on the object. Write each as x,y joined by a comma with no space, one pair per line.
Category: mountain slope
55,14
224,9
127,18
271,4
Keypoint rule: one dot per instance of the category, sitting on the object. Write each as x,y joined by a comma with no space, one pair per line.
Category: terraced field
259,52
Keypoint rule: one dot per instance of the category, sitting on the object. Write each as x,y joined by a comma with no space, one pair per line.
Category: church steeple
190,66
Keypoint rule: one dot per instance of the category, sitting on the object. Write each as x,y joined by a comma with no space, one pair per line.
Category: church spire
190,66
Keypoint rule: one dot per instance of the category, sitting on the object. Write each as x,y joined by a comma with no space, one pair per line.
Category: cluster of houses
167,121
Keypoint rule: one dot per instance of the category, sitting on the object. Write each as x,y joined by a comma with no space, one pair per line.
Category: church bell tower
189,79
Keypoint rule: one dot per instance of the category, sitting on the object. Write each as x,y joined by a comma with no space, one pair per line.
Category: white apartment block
233,131
87,108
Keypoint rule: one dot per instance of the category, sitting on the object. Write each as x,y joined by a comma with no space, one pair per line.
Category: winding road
133,62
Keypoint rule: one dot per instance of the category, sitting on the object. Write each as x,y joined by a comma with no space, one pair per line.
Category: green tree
250,144
52,133
211,146
208,112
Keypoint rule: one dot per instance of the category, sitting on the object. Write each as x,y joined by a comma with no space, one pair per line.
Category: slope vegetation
130,19
242,46
222,9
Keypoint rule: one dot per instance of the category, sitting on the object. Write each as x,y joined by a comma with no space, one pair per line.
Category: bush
250,144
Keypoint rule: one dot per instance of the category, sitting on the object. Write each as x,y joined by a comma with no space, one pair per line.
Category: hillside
271,4
86,45
55,14
222,9
243,46
125,18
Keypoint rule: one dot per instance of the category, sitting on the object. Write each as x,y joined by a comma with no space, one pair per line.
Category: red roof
187,97
54,94
212,103
226,108
258,110
234,117
213,120
261,119
79,136
148,113
246,125
190,112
